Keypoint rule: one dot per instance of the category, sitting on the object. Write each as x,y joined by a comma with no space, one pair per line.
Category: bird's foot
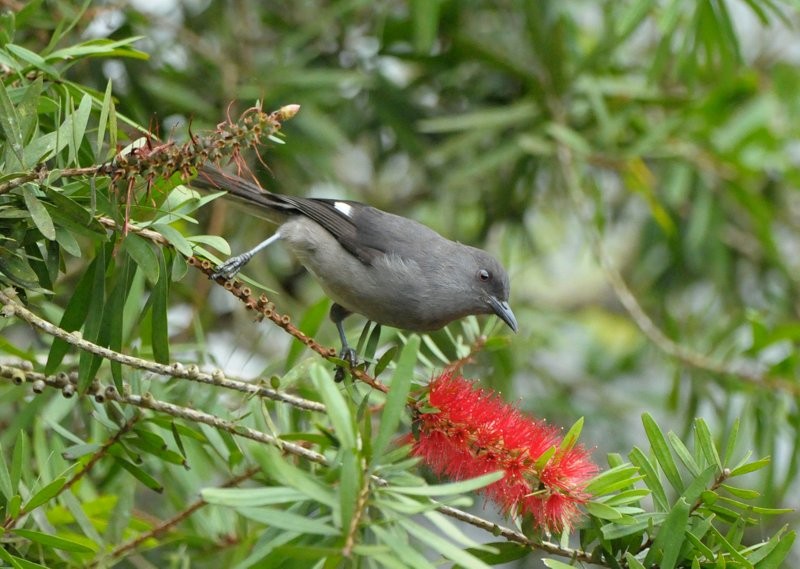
231,267
349,355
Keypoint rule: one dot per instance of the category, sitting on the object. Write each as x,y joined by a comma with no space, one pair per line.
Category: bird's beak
503,310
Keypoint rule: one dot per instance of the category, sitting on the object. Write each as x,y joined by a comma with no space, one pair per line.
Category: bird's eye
484,275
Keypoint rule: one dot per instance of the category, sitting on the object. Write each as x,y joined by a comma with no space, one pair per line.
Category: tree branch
11,307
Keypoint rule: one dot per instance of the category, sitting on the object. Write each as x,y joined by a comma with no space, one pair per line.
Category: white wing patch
345,208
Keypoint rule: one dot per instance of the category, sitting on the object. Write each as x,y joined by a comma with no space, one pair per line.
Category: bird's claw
347,354
230,268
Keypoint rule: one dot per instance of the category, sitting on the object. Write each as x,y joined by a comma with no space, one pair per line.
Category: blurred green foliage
657,135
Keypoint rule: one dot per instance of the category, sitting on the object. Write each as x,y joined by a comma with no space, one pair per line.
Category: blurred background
657,135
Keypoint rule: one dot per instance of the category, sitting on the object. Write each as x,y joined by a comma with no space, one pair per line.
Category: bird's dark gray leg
232,266
337,314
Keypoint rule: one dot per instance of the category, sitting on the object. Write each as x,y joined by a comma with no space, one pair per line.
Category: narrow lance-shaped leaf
662,452
54,541
140,474
669,540
89,363
7,489
159,306
350,486
41,219
397,398
338,409
115,316
80,118
273,464
44,494
105,110
651,479
10,123
73,317
19,459
450,488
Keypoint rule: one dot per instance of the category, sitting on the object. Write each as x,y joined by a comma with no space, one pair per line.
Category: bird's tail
211,178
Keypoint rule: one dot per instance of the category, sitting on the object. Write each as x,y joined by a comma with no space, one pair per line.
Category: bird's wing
345,220
351,223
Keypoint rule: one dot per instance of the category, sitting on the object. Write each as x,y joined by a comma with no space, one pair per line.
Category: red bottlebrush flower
474,432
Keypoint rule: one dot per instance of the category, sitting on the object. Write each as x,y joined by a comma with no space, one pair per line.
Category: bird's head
488,287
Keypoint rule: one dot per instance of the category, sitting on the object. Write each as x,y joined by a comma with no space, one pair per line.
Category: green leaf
744,493
67,242
443,546
502,552
683,454
434,349
699,485
613,479
661,451
156,449
425,15
556,564
634,495
31,58
651,479
237,497
392,537
633,563
54,541
727,546
7,489
115,316
214,241
705,441
39,215
350,486
309,324
77,451
750,467
140,474
73,317
105,110
19,458
337,407
176,238
143,254
372,343
602,511
45,494
730,445
274,466
397,399
19,563
450,488
100,46
772,554
17,269
89,363
385,359
13,507
544,458
80,118
571,438
64,208
287,521
160,304
10,123
668,543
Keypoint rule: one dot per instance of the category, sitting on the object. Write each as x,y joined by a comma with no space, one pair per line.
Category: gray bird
390,269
